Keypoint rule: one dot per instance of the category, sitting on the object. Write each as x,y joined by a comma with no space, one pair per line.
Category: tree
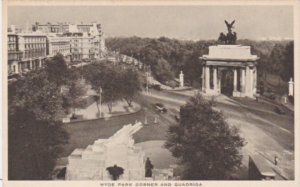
288,62
205,144
35,110
57,70
75,93
106,80
33,145
35,133
38,94
162,71
111,86
130,85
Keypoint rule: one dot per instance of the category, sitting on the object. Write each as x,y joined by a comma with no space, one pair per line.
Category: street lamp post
146,121
147,84
100,109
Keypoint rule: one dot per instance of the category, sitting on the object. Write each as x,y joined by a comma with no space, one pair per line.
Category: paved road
265,132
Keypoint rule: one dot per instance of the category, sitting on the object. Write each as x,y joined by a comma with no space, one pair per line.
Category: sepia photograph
150,92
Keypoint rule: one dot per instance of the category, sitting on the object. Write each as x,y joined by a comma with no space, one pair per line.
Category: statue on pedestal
149,166
115,171
181,79
230,37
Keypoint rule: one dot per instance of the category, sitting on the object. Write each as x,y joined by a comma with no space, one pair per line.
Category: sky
180,22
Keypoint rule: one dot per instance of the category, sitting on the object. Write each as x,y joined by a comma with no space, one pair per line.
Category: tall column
235,80
291,87
251,82
203,78
30,64
219,81
215,79
207,78
243,81
255,79
40,62
247,85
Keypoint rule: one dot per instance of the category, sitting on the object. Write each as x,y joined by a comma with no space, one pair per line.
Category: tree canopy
113,82
184,55
208,148
35,108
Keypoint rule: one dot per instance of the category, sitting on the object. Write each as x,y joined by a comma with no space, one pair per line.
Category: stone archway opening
227,82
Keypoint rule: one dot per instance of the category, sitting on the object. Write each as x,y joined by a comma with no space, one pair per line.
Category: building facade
65,27
76,42
58,45
28,53
34,48
14,55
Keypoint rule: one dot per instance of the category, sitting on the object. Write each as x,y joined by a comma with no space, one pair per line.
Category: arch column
234,80
254,79
203,78
40,62
251,82
235,93
215,80
243,78
207,79
247,90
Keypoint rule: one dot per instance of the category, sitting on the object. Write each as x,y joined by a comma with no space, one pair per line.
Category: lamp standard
147,82
100,101
146,121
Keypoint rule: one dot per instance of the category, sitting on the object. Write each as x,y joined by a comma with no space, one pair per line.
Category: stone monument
181,79
229,69
92,162
291,87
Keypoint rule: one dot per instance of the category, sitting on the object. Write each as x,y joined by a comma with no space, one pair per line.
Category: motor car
156,87
161,108
270,95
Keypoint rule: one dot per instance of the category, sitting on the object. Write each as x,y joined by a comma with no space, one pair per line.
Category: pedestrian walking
275,160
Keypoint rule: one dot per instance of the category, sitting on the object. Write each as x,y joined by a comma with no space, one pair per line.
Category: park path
119,108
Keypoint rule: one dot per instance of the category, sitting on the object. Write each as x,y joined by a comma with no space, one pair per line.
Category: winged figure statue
229,26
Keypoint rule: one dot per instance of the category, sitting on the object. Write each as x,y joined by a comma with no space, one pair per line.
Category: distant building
86,45
14,54
13,29
65,27
58,45
76,42
33,48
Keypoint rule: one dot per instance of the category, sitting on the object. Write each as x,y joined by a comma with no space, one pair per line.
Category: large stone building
58,45
231,70
86,45
30,52
76,42
14,54
65,27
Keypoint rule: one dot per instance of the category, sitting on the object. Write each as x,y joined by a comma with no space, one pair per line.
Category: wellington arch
229,70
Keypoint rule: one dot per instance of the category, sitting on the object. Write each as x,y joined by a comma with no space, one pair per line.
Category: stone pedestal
181,79
291,87
91,163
